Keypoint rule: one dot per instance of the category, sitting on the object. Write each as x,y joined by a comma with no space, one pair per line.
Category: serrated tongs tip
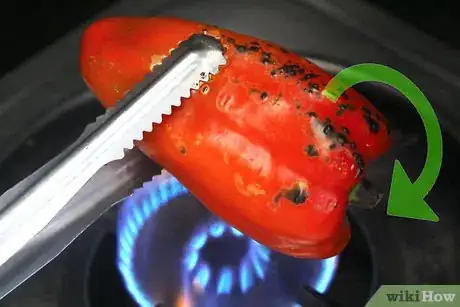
190,64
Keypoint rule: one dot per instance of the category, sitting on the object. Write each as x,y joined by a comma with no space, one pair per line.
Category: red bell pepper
258,145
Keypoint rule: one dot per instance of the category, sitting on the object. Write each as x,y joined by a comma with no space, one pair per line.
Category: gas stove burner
133,218
174,252
253,264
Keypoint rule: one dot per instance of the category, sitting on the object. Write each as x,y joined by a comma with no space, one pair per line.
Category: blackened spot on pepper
241,48
360,162
183,150
312,151
263,96
277,198
297,104
328,129
297,195
253,48
346,131
266,58
254,43
309,76
341,139
312,114
366,111
332,146
342,108
374,126
205,89
353,145
312,88
275,72
290,70
231,40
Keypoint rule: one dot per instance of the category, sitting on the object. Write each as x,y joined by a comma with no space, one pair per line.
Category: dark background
29,26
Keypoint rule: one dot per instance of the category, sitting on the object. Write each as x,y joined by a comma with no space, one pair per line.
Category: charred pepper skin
258,145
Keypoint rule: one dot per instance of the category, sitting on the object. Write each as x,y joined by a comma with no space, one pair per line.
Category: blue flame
203,275
243,277
217,229
133,220
146,202
328,268
225,282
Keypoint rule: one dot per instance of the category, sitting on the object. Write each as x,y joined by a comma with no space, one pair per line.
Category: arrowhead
406,200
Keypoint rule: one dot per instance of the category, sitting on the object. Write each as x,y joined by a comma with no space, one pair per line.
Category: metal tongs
26,214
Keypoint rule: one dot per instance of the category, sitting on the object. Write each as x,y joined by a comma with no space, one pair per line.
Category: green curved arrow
406,198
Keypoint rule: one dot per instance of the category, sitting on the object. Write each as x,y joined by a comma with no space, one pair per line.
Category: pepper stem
353,196
365,195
